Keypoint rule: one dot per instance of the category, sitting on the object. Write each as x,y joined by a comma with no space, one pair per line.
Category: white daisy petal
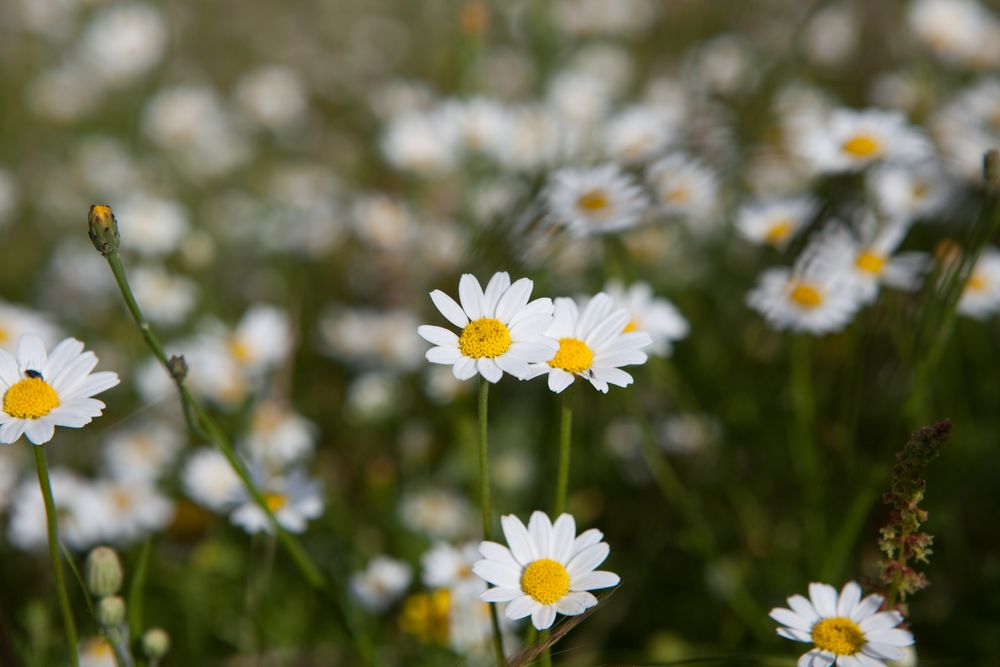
518,539
801,606
563,532
66,351
570,606
892,636
464,368
543,617
443,355
824,599
470,295
850,595
489,370
586,539
533,352
513,366
450,309
31,353
559,379
499,283
521,607
866,608
9,372
10,432
881,621
795,635
848,661
883,651
870,661
437,335
594,581
92,384
500,594
586,560
540,530
514,299
790,618
497,574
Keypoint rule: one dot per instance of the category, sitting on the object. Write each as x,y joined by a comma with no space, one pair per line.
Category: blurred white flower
653,315
422,143
97,652
278,435
166,298
622,17
373,396
363,336
124,41
637,134
437,513
17,320
272,96
293,498
686,188
851,140
832,35
774,222
594,201
151,225
909,193
63,94
142,453
128,510
381,583
76,502
981,297
959,31
209,480
447,566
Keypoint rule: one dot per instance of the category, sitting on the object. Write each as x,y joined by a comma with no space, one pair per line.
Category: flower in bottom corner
42,390
546,569
845,629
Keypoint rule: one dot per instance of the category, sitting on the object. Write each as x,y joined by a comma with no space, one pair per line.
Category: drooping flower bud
155,643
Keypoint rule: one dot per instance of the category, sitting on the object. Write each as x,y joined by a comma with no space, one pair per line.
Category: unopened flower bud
104,572
991,169
103,229
110,610
155,643
177,365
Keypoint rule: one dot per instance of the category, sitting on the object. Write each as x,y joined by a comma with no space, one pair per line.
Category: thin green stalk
565,436
804,451
53,529
484,502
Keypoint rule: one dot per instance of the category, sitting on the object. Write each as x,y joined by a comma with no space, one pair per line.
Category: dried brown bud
177,365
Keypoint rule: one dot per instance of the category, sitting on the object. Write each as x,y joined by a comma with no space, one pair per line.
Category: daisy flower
15,321
656,316
547,568
447,566
381,583
981,297
774,222
637,134
594,201
845,629
684,187
501,329
42,390
131,509
592,345
851,140
908,193
294,499
814,296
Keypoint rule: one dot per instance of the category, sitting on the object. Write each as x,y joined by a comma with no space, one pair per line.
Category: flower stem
565,436
202,425
484,502
53,528
803,441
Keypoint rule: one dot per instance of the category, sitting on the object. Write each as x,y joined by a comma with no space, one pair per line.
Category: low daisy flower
593,345
845,629
294,499
42,390
501,329
851,140
547,569
981,297
814,296
381,583
654,315
684,187
595,201
774,222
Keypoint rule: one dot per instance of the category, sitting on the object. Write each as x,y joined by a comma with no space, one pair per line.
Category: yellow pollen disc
30,398
806,296
3,335
121,499
631,326
275,501
976,283
920,190
573,356
862,145
778,232
486,337
839,635
239,350
680,196
870,262
428,616
97,649
593,201
545,580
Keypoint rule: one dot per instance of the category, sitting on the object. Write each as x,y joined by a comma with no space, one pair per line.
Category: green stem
53,529
804,451
565,436
484,502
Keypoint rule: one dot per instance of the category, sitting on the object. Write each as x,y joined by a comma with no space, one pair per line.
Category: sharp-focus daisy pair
846,629
503,332
42,390
546,570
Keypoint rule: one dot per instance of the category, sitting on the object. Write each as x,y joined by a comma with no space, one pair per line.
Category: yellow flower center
806,295
545,580
573,355
239,350
428,616
976,283
486,337
678,197
862,145
30,398
631,326
870,262
275,501
3,335
779,231
593,201
839,635
97,649
920,190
